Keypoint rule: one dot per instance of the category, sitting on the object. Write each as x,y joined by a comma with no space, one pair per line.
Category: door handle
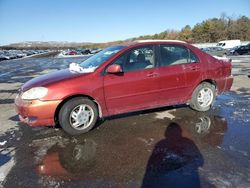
152,75
192,68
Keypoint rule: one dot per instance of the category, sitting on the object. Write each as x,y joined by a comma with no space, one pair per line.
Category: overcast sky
105,20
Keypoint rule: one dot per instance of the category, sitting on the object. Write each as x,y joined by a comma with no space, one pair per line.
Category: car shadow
139,112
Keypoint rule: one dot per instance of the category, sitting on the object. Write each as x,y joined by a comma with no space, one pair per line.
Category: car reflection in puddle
64,162
122,155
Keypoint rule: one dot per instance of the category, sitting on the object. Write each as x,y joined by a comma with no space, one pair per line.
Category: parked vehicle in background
216,51
78,51
20,54
124,78
82,51
94,51
86,52
227,44
241,50
14,54
3,56
72,52
232,50
11,54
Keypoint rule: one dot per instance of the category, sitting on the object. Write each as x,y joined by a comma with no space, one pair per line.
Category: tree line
210,30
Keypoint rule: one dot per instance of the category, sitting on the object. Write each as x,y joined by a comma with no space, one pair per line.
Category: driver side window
137,59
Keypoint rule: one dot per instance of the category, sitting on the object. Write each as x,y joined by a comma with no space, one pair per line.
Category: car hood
50,78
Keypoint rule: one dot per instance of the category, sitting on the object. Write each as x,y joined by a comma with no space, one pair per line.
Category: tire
78,115
203,97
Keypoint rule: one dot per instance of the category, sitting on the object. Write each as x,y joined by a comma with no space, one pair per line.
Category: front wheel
78,115
203,97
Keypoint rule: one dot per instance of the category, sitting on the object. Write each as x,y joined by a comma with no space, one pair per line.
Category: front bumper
36,112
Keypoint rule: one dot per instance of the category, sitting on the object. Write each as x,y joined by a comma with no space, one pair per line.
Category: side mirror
115,68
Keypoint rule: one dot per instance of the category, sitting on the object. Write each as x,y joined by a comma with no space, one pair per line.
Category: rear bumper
228,83
36,112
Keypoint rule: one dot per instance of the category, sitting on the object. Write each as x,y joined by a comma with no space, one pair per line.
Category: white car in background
228,44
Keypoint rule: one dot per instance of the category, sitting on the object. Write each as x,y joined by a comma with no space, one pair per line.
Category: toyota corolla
124,78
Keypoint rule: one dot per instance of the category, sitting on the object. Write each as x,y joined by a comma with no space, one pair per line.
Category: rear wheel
78,115
203,97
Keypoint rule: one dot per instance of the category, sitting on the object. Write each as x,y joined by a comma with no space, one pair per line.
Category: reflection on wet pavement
121,151
142,150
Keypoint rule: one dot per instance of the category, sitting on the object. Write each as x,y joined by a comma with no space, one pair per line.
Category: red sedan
124,78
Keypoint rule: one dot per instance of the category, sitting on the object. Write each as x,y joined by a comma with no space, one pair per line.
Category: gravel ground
200,149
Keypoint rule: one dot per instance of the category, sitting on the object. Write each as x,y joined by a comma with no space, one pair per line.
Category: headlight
35,93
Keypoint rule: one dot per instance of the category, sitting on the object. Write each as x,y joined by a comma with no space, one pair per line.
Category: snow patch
147,142
3,143
165,114
61,55
5,169
75,67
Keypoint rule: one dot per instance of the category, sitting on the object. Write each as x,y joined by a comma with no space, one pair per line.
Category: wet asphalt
167,147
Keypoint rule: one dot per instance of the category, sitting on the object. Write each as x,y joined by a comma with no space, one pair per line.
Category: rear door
179,72
193,72
172,75
136,87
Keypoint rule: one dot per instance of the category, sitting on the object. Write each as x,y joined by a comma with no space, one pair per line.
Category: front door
136,88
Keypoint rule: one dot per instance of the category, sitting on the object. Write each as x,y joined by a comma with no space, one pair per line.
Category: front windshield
96,60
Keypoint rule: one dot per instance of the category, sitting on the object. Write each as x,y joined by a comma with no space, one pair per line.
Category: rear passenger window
176,54
193,57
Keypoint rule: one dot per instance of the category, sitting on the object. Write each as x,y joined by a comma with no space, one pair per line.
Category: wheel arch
74,96
211,81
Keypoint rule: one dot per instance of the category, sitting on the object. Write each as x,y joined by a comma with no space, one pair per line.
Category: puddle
119,151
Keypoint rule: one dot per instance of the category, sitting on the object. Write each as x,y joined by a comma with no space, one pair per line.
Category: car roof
152,41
